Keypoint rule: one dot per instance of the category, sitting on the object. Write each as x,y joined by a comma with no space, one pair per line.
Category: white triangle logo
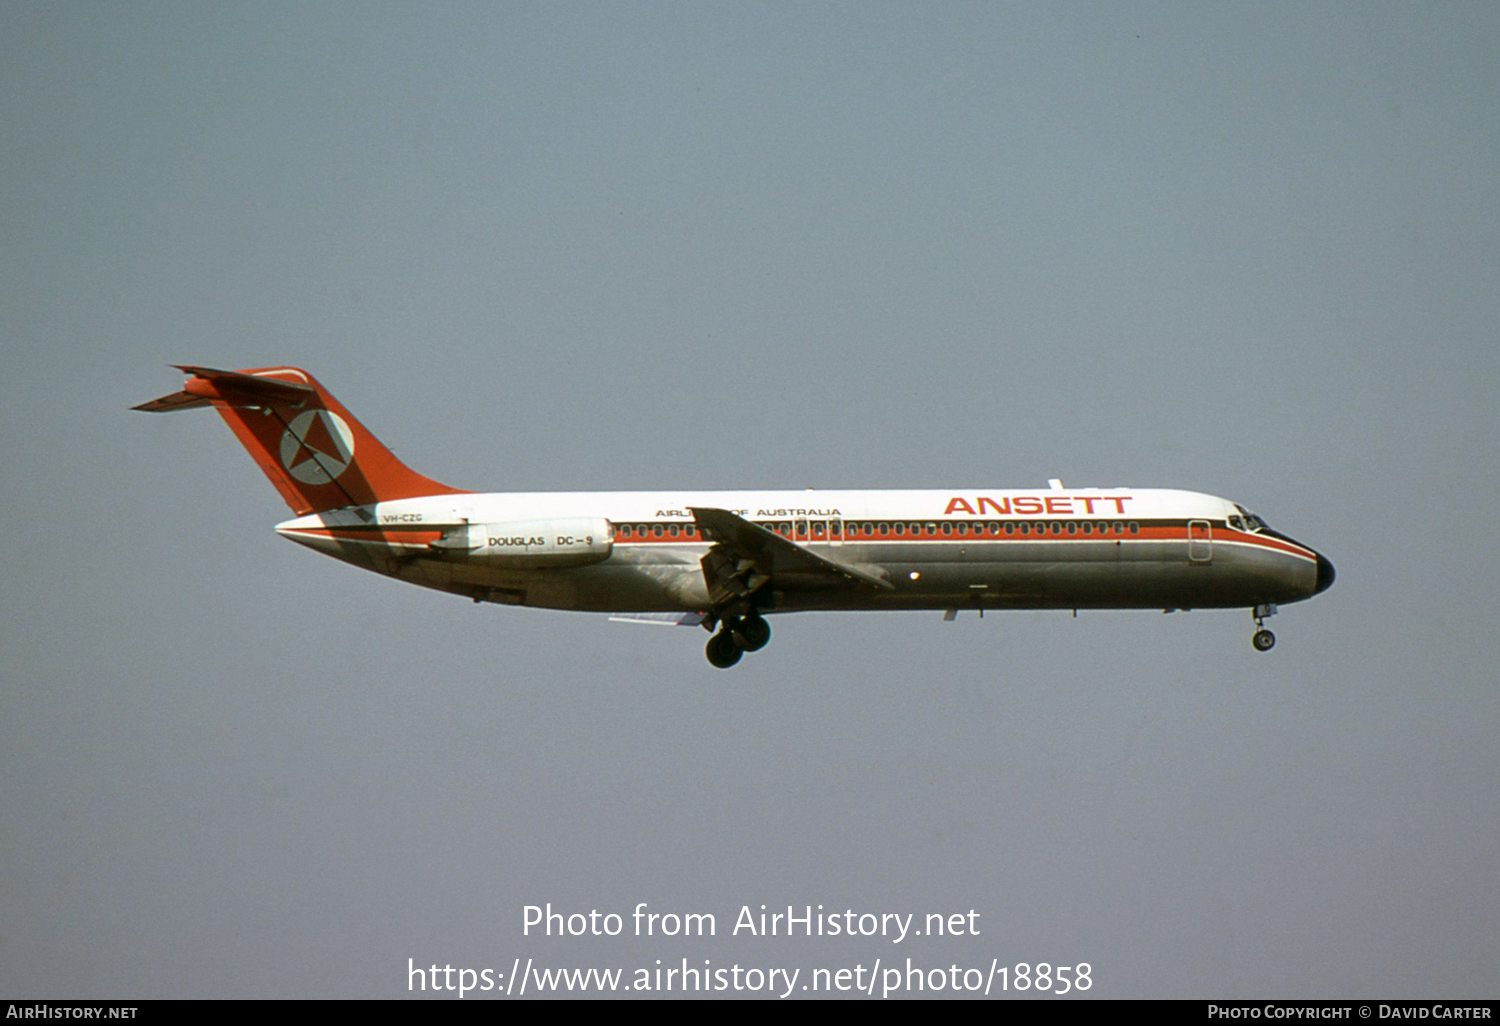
317,447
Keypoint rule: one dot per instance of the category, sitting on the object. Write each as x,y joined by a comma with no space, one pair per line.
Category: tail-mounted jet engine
530,544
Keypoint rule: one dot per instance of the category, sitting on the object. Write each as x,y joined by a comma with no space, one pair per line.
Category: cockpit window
1247,521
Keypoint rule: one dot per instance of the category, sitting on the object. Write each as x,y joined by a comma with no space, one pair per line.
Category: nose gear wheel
1262,639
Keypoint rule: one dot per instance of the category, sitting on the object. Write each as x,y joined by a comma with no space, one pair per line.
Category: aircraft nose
1325,574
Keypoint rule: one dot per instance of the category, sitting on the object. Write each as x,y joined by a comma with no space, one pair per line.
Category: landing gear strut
1262,639
737,635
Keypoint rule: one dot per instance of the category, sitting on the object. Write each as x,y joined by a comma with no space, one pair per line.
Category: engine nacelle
531,544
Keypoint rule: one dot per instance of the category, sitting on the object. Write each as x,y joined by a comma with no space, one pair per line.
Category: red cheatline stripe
1172,533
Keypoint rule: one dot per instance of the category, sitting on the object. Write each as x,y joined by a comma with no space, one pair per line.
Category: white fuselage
986,548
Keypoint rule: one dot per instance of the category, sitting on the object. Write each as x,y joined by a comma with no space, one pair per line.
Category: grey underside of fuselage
1110,574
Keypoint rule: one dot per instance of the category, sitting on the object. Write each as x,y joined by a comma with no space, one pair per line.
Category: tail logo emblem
317,447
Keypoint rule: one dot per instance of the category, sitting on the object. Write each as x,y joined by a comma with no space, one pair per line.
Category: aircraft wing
747,556
668,619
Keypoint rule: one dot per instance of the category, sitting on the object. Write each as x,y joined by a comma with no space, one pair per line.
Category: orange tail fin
316,453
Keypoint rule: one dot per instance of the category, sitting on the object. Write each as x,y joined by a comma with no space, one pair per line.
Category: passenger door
1200,541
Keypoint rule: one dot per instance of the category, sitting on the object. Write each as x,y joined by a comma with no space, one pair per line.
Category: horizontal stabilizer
174,402
232,387
253,384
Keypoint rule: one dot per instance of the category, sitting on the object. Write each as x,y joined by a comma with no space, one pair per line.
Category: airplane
726,560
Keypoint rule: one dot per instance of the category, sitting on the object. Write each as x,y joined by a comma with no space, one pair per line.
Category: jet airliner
726,560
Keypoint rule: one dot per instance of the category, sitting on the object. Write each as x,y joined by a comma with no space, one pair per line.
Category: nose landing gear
736,636
1262,639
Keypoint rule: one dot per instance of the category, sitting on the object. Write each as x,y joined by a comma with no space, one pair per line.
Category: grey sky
1249,250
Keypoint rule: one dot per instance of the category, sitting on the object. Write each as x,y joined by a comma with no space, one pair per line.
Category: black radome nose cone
1325,574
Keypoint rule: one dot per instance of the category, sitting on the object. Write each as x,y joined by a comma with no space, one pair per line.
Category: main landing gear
1262,639
737,635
